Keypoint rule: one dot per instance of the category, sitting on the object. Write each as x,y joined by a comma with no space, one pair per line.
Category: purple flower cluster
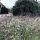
3,27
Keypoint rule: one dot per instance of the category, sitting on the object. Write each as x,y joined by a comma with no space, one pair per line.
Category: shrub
24,6
4,10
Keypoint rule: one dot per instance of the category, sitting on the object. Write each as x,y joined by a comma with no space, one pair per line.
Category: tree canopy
4,10
24,6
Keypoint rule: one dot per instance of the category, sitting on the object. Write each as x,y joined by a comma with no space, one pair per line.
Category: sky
9,3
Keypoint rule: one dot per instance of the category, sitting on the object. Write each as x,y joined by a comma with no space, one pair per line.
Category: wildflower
3,27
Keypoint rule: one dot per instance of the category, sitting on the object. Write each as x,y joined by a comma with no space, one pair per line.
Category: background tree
4,10
24,6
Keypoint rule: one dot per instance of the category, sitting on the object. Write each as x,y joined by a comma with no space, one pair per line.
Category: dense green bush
24,6
39,9
4,10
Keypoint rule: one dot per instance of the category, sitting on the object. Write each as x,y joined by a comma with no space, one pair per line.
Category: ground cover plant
20,28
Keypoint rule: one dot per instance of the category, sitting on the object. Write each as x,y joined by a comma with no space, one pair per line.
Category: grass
20,28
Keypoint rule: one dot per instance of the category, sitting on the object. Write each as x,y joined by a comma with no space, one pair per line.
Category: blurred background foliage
4,10
25,6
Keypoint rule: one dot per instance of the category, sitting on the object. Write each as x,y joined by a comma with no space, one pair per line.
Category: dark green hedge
24,6
4,10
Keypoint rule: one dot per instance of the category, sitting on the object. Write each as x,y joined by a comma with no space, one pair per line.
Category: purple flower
3,27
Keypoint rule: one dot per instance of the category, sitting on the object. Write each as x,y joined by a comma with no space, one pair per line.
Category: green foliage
24,6
4,10
39,9
20,30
